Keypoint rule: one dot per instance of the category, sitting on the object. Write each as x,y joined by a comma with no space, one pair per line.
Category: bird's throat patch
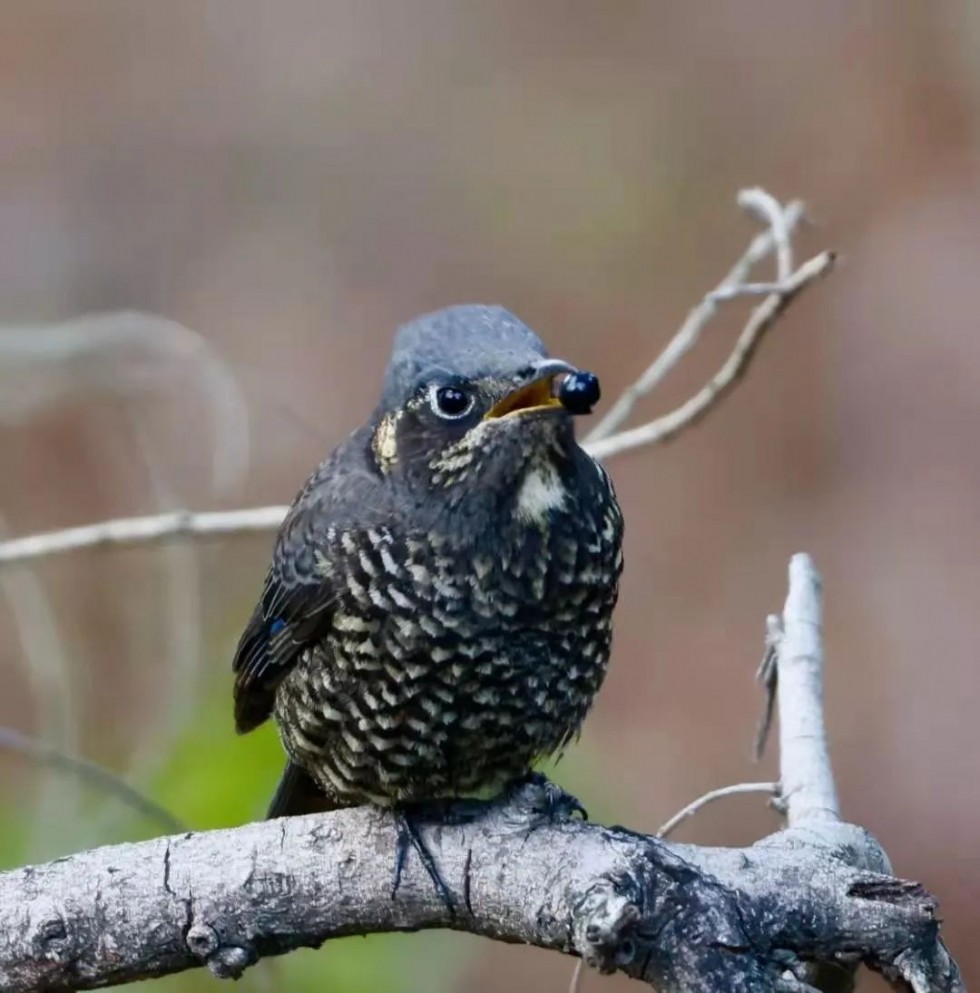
385,441
541,491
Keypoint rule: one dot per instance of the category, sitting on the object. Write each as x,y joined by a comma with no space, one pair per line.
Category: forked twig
733,285
761,320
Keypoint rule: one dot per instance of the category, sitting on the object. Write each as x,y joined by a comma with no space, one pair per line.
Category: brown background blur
293,179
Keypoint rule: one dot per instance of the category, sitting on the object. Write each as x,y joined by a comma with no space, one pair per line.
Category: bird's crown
471,341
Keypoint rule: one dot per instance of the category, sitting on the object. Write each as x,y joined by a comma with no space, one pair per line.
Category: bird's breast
456,656
526,596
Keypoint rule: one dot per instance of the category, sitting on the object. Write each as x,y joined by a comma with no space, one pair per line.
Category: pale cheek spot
385,441
541,492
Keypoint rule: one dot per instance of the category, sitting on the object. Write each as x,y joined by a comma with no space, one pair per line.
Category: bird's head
472,403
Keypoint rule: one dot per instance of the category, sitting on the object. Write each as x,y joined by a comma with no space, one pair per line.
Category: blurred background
292,180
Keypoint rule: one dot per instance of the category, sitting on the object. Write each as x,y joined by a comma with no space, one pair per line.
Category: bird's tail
296,794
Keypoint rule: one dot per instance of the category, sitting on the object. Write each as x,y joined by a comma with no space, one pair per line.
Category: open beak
540,394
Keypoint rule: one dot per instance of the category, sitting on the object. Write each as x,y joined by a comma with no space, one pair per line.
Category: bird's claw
548,803
408,835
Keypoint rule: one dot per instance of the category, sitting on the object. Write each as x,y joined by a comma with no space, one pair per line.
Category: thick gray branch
681,917
795,912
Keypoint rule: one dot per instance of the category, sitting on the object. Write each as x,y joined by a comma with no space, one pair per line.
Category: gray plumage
472,341
437,614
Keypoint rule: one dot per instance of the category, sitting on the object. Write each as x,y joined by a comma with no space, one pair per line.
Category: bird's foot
546,802
407,827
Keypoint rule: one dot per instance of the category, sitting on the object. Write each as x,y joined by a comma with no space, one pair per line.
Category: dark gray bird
438,609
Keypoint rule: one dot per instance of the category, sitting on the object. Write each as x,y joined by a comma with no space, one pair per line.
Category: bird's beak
539,394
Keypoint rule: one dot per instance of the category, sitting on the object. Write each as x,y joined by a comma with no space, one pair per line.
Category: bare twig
793,671
766,207
745,290
760,321
805,771
771,789
140,530
93,774
768,675
697,320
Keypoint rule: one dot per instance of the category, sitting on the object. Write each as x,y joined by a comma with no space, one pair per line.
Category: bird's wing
297,603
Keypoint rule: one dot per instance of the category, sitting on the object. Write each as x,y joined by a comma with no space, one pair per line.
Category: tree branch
760,321
678,917
142,530
733,285
806,776
671,825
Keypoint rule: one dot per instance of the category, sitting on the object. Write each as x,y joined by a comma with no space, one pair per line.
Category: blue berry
579,392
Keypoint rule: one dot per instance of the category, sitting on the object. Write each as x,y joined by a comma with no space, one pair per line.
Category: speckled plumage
438,610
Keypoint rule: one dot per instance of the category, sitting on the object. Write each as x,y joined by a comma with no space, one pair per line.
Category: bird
437,614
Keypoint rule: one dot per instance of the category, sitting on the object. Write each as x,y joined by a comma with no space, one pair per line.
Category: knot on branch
605,928
225,960
667,922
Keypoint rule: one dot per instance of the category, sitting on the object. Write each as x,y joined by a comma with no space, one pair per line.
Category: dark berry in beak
579,392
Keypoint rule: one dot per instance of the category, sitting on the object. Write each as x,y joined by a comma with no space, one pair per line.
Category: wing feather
295,609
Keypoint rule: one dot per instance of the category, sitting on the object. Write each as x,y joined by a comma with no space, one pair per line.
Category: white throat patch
541,492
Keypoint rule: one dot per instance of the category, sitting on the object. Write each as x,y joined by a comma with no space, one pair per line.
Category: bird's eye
450,402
